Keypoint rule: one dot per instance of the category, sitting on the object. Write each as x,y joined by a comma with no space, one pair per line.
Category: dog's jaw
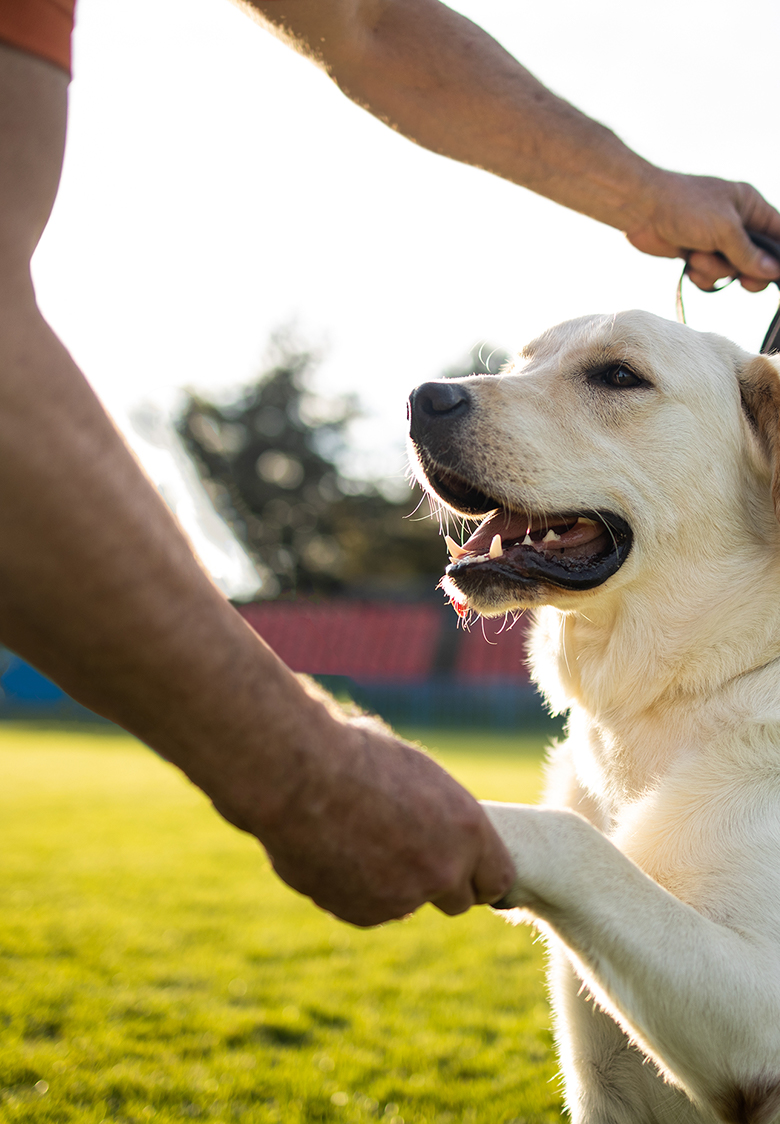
516,560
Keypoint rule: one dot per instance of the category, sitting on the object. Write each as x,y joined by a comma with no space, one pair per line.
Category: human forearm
99,589
446,84
465,97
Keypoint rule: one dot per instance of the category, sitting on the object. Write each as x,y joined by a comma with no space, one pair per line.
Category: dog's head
613,441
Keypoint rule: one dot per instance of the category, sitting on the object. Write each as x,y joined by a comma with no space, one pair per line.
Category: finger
705,270
455,901
756,214
493,875
365,917
366,910
759,265
753,286
747,258
495,871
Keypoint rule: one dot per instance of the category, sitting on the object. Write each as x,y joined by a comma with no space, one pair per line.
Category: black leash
771,344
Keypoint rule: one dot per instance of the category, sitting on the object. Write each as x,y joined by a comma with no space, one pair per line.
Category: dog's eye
618,378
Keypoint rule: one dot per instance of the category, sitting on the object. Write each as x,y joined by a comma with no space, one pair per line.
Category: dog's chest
681,812
619,767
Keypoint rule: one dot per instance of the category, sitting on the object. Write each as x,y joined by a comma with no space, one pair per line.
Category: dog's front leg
607,1078
699,998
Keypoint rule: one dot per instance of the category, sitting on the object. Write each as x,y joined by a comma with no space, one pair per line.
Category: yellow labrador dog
627,475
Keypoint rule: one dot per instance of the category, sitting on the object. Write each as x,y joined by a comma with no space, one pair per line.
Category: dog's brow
602,355
582,354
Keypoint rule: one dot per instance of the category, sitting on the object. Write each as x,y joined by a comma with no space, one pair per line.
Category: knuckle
454,908
471,819
444,880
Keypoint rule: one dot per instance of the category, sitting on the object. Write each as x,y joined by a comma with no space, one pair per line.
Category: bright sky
217,186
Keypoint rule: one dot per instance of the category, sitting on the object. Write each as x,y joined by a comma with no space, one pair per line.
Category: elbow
755,1100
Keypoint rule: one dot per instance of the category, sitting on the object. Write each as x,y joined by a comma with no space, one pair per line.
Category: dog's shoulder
709,829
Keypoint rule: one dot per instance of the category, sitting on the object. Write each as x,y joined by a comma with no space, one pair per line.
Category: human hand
706,221
375,828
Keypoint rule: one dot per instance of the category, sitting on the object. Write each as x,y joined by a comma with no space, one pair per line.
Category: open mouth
513,553
572,551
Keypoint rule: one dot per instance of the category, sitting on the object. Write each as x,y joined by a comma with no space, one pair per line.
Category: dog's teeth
527,541
496,547
590,522
551,536
455,552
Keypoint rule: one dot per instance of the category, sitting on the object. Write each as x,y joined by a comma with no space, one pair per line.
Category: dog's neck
647,670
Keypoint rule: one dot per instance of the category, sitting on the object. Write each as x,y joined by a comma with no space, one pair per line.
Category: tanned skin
443,82
100,590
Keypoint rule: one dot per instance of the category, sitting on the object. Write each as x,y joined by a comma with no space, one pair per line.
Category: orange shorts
40,27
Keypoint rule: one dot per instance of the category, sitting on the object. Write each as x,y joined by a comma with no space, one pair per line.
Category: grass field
153,968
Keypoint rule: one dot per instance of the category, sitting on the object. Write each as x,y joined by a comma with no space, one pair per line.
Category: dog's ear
759,383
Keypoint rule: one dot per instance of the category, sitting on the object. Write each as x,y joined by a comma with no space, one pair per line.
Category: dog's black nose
437,401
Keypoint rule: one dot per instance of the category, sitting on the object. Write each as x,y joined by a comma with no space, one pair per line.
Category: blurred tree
270,463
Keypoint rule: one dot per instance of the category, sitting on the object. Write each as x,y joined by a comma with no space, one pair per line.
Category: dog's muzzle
515,551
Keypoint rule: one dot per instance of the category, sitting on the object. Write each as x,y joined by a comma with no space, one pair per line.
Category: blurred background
253,273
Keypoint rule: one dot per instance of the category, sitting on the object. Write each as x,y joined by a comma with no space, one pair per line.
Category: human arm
99,589
444,83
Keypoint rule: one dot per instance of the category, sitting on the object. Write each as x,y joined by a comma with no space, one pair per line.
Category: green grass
152,968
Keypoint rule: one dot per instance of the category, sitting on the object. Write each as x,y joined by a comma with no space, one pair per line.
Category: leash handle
771,342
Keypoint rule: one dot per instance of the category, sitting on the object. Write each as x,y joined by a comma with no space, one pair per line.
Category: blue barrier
26,693
23,684
493,704
439,701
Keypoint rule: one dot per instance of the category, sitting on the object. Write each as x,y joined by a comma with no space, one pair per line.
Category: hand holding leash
771,246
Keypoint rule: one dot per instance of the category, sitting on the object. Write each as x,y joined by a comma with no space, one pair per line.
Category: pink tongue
507,524
513,526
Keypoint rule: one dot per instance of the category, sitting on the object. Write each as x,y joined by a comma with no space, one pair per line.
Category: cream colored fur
654,866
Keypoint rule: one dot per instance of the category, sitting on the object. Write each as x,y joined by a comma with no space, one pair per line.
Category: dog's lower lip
532,564
527,566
